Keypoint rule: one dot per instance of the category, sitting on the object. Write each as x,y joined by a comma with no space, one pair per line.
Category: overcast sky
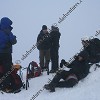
28,16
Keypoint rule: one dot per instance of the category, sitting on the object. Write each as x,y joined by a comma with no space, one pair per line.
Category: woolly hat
44,27
5,23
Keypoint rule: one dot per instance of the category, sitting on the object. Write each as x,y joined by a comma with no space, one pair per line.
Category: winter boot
49,87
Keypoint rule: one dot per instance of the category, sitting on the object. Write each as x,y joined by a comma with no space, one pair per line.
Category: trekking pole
27,82
47,70
47,67
21,75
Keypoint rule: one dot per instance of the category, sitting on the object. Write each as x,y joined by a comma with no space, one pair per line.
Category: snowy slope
28,16
87,89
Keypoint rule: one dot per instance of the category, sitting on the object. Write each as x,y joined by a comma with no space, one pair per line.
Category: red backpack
33,70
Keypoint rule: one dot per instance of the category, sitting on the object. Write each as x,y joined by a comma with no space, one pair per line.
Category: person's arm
39,40
12,39
67,64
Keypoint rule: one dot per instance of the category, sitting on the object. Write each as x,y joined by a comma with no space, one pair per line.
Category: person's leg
56,66
54,59
55,81
62,74
61,84
7,65
41,56
47,58
51,86
8,62
70,83
5,61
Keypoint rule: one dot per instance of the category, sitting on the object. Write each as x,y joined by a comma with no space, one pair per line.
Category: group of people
49,48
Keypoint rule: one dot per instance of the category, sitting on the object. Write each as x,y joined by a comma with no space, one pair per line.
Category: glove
61,65
63,62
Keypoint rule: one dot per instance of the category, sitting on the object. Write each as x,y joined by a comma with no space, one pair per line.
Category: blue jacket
6,42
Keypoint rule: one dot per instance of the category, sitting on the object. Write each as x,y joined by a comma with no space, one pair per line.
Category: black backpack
14,84
96,42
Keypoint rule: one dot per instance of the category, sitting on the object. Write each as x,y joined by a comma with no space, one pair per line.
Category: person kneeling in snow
79,70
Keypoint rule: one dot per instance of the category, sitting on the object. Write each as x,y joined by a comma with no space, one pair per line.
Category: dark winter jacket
45,39
6,42
55,36
80,68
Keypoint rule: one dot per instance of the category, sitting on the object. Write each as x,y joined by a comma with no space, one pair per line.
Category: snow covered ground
28,16
87,89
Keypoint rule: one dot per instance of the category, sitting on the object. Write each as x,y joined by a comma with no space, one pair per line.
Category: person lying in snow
79,69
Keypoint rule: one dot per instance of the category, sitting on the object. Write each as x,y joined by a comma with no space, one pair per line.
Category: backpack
33,70
94,50
16,78
96,42
14,82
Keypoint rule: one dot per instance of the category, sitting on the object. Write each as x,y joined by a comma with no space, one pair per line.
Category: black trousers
63,75
6,62
54,58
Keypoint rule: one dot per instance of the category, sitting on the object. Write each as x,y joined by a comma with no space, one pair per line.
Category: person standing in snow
54,50
7,39
44,47
79,69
